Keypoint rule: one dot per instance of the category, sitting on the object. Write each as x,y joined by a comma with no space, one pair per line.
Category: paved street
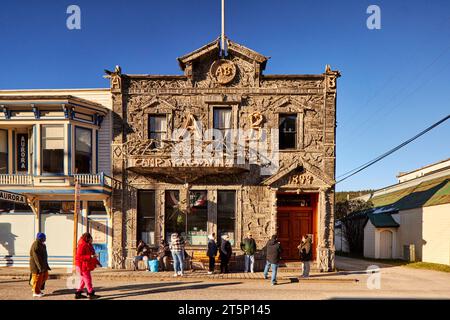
396,282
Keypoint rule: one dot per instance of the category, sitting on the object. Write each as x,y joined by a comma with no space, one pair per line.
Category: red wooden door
293,224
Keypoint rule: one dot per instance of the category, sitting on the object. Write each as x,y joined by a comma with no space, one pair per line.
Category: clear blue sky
395,81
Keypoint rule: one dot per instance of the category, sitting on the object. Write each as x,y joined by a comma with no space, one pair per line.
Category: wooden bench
201,260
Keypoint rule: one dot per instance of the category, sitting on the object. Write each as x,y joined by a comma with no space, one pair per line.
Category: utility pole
75,219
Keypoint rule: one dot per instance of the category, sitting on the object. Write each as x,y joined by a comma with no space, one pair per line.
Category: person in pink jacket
85,261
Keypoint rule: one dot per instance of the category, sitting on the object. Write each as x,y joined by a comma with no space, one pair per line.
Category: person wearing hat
225,254
305,253
39,264
248,245
212,252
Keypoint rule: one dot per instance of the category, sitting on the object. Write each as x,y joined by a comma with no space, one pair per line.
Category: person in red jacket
86,261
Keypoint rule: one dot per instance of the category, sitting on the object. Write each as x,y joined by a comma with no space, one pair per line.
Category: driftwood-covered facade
237,191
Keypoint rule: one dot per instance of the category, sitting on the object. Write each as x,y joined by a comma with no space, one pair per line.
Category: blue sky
395,81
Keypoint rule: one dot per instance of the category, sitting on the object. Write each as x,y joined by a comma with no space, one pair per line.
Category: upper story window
157,129
83,150
52,149
3,151
222,121
287,131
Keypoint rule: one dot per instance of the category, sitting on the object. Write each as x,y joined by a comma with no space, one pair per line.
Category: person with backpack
248,245
305,252
39,267
86,261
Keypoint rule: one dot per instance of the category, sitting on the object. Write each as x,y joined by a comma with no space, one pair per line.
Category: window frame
140,217
188,216
235,216
91,167
295,132
150,131
42,128
7,151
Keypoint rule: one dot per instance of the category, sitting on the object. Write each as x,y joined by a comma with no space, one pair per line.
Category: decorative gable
299,176
205,68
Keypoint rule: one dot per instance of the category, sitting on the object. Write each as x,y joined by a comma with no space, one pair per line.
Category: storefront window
146,216
226,214
96,207
53,149
197,219
83,150
175,220
57,207
3,151
11,207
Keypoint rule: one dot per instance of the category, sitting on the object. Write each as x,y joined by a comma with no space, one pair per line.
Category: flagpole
223,29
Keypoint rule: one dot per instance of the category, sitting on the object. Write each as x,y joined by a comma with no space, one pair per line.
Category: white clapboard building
48,140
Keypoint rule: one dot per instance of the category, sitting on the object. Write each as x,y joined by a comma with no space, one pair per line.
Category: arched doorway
386,244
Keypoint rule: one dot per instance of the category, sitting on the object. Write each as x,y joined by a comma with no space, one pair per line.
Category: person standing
225,254
249,248
163,255
39,264
305,254
212,252
177,249
273,257
85,261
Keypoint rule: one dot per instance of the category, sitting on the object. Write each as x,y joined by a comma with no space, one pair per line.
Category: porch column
10,151
273,209
212,211
325,246
160,230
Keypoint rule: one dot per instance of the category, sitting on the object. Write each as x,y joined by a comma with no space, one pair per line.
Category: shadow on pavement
162,290
12,281
130,287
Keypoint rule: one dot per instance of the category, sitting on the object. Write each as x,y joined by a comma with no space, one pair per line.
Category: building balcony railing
54,180
183,159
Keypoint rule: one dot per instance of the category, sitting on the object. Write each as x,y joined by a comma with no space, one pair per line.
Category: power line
368,164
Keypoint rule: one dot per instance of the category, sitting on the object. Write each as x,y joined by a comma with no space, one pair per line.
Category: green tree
344,208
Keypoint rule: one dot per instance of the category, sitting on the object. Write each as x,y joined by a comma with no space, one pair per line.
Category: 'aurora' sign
12,197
